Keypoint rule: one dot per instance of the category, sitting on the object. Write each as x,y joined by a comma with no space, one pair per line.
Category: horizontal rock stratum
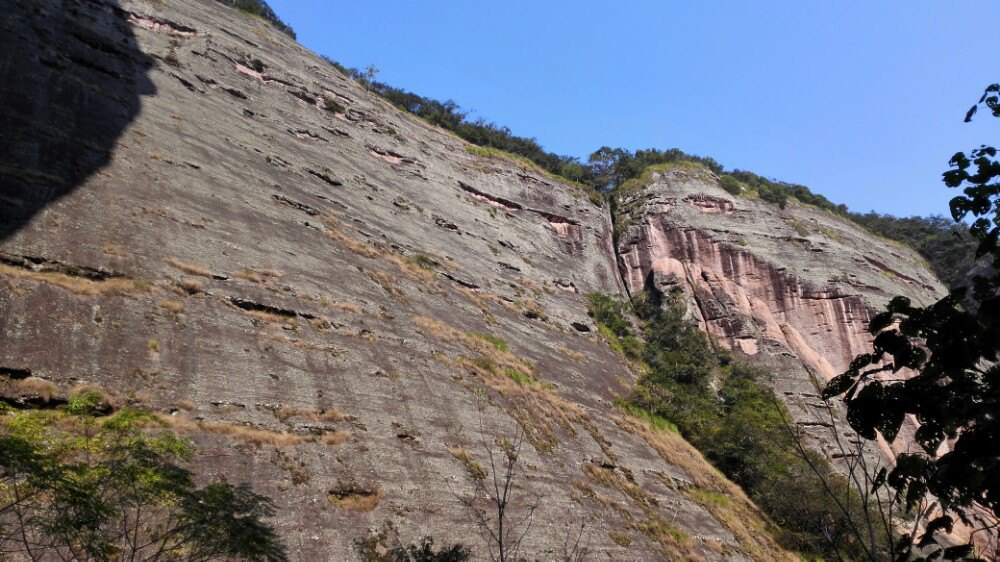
203,217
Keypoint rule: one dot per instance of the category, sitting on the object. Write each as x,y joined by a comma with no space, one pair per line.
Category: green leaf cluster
952,349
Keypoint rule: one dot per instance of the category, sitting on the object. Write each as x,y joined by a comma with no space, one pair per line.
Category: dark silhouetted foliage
384,546
953,346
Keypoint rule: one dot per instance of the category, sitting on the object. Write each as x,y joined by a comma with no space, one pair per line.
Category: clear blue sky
861,101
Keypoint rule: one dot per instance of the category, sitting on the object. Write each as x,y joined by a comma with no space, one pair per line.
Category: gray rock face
73,79
204,218
790,289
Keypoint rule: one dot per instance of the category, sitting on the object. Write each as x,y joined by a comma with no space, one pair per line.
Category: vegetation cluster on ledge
260,9
729,412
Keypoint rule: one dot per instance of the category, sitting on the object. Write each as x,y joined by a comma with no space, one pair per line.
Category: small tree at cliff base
77,484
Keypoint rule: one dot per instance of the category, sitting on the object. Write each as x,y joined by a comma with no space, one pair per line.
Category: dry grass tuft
113,250
171,306
346,307
413,267
388,282
269,317
186,405
672,542
578,357
188,268
30,387
249,274
752,528
535,405
530,308
355,498
192,286
249,435
621,539
285,413
319,323
335,438
480,303
77,285
474,469
334,232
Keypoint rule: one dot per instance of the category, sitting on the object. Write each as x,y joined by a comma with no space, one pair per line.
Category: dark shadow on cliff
71,80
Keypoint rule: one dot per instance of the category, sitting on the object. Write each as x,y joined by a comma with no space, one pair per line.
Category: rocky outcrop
204,218
792,289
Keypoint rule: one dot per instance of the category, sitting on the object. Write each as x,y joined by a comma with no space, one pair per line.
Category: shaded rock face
792,290
86,75
295,272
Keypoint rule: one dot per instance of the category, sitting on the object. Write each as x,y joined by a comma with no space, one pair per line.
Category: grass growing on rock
249,435
287,413
581,189
494,340
637,184
472,466
357,499
77,285
536,405
672,542
656,422
189,268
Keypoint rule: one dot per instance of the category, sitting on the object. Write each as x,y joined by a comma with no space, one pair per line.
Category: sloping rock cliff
792,289
204,218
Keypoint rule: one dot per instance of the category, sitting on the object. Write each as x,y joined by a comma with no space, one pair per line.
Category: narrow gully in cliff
613,215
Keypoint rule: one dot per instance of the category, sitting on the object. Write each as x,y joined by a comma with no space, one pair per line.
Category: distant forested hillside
945,244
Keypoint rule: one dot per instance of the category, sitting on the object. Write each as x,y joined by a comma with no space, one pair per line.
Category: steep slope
791,289
203,218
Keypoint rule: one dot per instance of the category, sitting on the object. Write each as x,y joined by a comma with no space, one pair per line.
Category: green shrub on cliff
728,411
611,317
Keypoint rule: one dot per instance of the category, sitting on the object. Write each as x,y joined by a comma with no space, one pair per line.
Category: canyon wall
202,218
789,289
340,303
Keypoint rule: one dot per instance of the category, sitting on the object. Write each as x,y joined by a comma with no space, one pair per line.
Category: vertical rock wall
792,289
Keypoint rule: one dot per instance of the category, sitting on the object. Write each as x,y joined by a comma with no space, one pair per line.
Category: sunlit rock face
789,289
203,218
296,273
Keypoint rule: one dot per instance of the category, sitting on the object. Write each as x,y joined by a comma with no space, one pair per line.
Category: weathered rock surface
791,289
203,217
